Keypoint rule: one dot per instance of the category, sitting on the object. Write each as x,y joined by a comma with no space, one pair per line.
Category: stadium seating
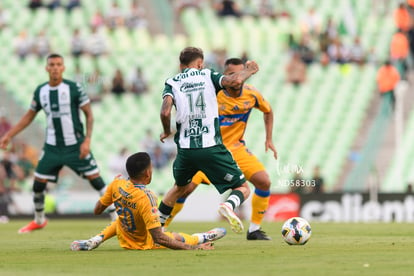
401,171
314,124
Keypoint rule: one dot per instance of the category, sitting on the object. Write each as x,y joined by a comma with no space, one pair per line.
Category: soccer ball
296,231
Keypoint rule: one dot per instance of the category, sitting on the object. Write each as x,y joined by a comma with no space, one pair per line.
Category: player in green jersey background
66,143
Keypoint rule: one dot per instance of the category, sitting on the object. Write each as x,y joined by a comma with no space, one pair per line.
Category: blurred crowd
16,165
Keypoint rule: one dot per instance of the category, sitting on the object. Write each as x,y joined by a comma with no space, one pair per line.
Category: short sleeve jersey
61,105
137,210
235,112
194,94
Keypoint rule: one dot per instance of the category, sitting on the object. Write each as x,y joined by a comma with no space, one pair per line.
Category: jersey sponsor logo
228,120
195,129
192,86
188,74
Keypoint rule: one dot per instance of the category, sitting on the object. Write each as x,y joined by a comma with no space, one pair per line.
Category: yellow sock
109,231
188,239
178,206
259,206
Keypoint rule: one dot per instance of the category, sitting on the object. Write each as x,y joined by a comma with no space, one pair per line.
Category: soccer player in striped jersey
138,226
66,143
235,106
199,142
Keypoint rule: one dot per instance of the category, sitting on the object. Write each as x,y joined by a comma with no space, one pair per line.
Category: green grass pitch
334,249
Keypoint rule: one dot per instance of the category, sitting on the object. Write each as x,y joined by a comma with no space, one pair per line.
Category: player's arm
22,124
86,144
268,121
160,238
105,200
165,116
238,78
99,208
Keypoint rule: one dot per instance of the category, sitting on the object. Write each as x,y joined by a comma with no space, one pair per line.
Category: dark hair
189,54
137,163
233,61
53,56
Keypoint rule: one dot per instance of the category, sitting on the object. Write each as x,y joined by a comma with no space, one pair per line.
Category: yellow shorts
247,161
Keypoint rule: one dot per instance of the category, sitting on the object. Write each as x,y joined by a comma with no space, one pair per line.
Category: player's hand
252,66
85,148
4,141
205,246
164,136
269,145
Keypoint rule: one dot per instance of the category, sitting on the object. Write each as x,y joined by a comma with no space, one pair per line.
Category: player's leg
88,168
235,199
169,200
198,238
40,221
224,173
183,172
98,184
178,206
47,170
95,241
255,172
260,203
198,178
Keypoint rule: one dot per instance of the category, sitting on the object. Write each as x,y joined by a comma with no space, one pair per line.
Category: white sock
39,217
253,227
235,200
97,239
163,217
200,237
229,205
39,204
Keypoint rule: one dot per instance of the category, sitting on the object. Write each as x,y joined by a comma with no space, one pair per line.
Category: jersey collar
228,94
185,70
137,185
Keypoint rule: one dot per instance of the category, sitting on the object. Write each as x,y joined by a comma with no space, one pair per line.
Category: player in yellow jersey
235,105
138,226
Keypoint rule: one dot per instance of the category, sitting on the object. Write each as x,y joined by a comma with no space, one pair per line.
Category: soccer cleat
31,227
84,245
233,219
259,234
212,235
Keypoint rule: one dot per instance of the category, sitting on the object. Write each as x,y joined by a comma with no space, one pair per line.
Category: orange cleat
31,227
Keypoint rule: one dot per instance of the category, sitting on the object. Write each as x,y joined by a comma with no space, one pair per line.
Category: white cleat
212,235
84,245
232,218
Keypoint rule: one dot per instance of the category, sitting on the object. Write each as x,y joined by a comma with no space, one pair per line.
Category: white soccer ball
296,231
